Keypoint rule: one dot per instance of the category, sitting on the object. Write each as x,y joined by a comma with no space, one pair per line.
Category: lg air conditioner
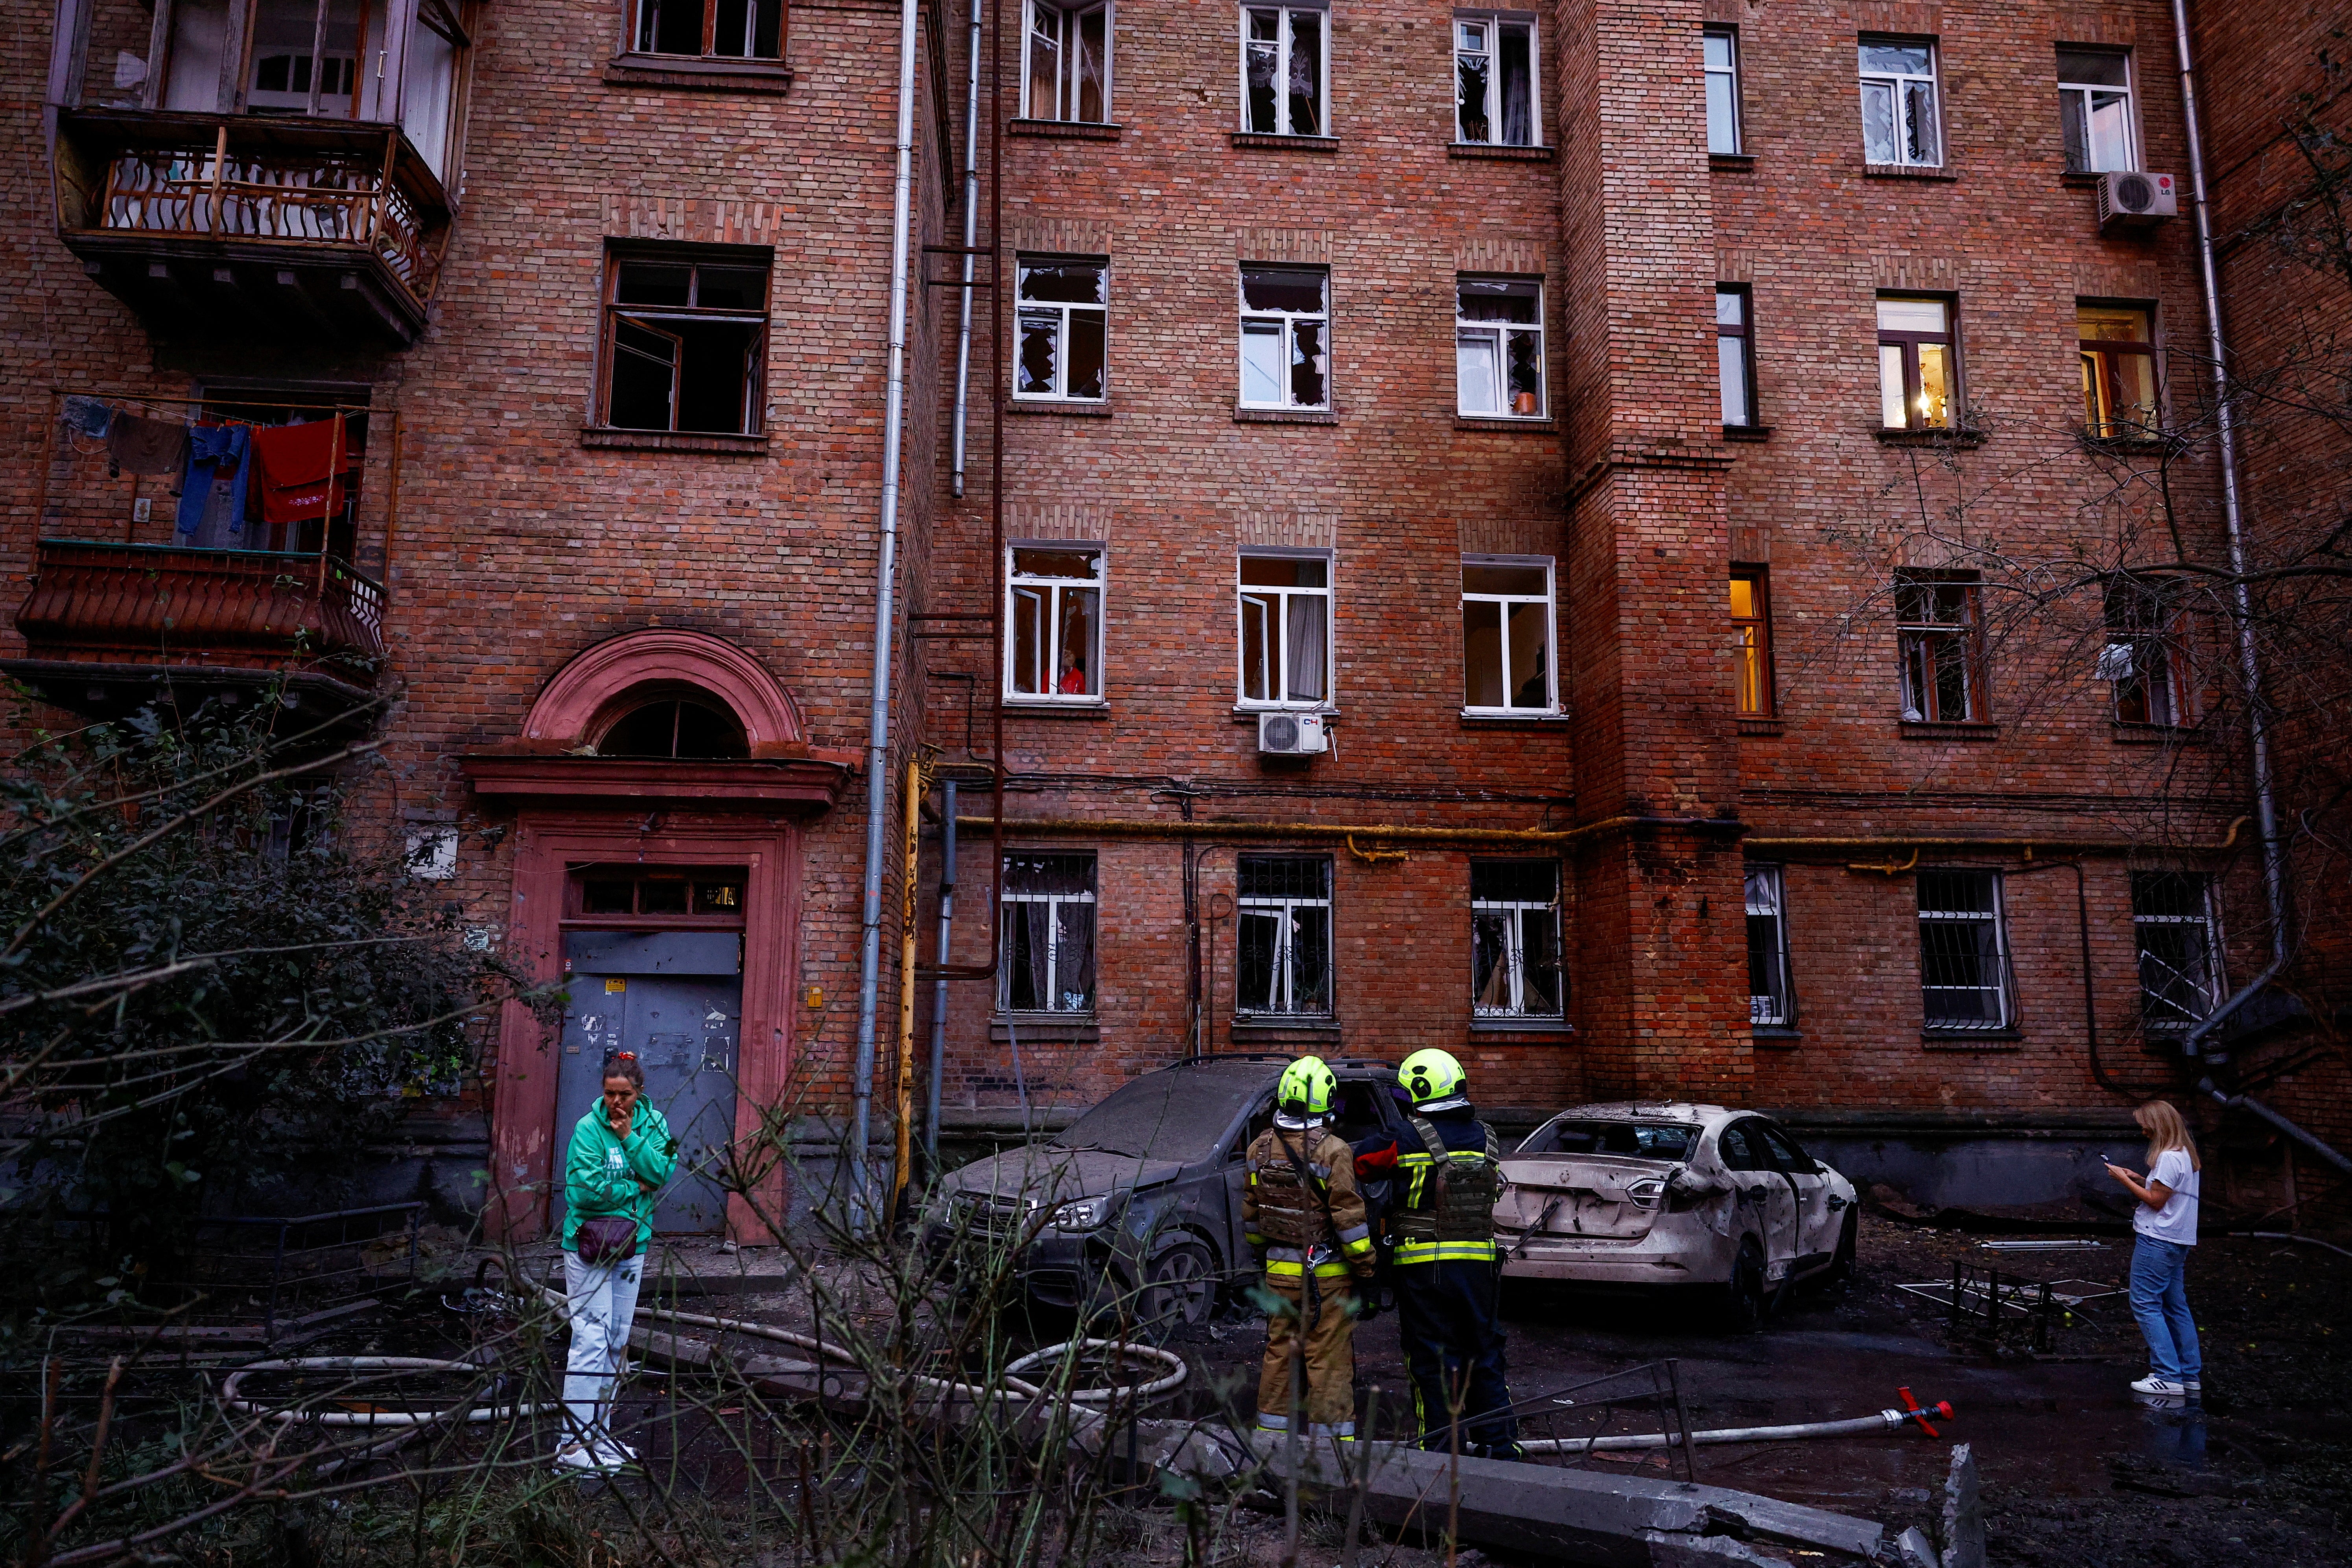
1292,734
2134,200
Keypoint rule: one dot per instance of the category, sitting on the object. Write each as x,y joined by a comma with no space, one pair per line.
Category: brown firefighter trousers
1329,1397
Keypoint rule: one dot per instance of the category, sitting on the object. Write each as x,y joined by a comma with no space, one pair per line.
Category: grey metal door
676,998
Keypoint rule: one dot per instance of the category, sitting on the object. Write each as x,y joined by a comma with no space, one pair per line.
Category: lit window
1752,653
2172,921
1499,348
1735,355
1515,966
1066,67
1899,123
1917,372
1494,80
1963,951
1936,640
2094,110
1054,611
1049,934
1065,322
2118,345
1285,314
1768,1002
1283,924
1721,46
1507,634
1284,601
1285,70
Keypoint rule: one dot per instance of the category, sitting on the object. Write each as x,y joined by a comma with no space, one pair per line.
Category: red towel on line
293,463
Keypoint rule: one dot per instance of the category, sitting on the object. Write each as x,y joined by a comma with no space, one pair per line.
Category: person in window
2164,1227
1073,682
620,1155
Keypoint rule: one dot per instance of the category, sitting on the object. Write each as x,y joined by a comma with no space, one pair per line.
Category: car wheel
1744,1300
1180,1288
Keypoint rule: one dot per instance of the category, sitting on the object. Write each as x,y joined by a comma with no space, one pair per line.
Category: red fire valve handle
1941,1410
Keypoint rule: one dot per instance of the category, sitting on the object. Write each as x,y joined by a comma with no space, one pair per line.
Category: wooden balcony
329,231
105,626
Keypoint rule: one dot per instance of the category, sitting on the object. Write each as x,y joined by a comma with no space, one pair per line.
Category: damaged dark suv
1137,1205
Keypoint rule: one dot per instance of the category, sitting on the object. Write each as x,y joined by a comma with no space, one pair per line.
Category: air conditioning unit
1292,734
2134,200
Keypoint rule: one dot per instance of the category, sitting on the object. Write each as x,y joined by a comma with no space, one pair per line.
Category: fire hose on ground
1884,1421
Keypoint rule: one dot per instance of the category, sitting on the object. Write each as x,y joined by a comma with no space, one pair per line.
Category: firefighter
1305,1219
1443,1265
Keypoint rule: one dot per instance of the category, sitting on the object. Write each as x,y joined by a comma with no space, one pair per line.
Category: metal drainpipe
940,987
2250,667
877,742
971,238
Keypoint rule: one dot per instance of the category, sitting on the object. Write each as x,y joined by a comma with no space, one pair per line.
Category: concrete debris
1963,1522
1912,1550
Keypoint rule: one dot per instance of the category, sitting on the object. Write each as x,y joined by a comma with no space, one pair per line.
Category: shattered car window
1174,1115
1632,1140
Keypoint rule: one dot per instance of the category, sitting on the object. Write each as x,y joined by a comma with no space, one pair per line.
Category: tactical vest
1453,1197
1290,1213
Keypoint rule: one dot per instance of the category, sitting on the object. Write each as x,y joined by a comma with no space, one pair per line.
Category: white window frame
1550,603
1281,672
2209,986
1494,22
1050,590
1730,73
1062,310
1896,85
1515,945
1766,895
1285,9
2005,1015
2074,100
1053,902
1066,87
1280,1005
1286,325
1502,333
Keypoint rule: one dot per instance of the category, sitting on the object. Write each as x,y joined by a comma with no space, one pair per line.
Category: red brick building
1624,700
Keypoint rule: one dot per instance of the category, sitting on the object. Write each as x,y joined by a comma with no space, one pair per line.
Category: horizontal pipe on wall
1129,827
2026,847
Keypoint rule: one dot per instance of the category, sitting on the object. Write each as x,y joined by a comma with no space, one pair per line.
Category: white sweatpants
600,1299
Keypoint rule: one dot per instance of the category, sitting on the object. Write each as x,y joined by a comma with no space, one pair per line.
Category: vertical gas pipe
970,239
940,987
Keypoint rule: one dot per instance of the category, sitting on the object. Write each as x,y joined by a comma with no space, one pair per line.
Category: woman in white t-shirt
2164,1229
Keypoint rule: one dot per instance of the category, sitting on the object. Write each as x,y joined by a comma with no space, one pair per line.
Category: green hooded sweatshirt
600,1171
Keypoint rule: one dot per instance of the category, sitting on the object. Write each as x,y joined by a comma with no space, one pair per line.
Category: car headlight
1086,1214
1646,1192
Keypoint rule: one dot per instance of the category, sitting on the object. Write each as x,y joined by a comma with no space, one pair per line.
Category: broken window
1963,951
1286,627
1721,58
1507,634
1064,318
1286,337
718,29
1899,122
1495,76
1284,69
686,340
1936,614
1498,347
1066,68
1734,357
1049,934
2094,110
2172,921
1917,373
2118,348
1751,625
1283,922
1054,605
2146,653
1515,963
1769,1004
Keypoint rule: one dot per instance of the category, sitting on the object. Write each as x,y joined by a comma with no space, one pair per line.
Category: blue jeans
2159,1300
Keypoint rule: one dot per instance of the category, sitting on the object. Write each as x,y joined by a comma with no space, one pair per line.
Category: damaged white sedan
1651,1195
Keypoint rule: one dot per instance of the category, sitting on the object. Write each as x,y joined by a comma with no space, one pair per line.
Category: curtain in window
1303,631
1518,97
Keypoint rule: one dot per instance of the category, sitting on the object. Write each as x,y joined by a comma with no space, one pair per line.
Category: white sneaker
578,1459
2192,1385
2161,1386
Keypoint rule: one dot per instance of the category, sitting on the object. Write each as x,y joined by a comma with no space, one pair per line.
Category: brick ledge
697,75
1065,130
670,440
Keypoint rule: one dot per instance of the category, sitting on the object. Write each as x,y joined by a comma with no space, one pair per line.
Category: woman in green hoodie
621,1153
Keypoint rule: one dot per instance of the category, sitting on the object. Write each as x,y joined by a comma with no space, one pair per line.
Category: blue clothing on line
219,456
2159,1300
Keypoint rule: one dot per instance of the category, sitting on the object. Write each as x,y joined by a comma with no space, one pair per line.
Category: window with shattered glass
1900,122
686,340
2172,921
1053,623
1769,1004
1285,601
1285,319
1494,79
1282,921
1049,934
1066,67
714,29
1936,640
1507,635
1514,940
2146,656
1065,326
1286,69
1499,348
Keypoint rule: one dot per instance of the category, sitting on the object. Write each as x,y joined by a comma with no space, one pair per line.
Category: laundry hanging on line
301,479
87,415
151,447
213,496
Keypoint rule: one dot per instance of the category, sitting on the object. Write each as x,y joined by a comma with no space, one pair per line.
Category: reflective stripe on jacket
1288,1221
1448,1219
